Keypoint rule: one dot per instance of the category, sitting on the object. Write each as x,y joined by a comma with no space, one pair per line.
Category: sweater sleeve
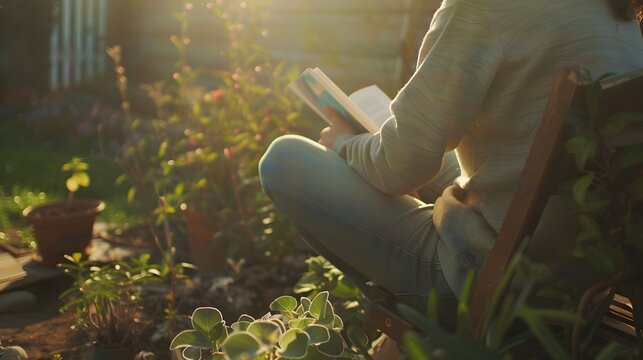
436,107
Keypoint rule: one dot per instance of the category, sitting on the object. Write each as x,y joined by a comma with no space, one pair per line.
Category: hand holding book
365,110
338,125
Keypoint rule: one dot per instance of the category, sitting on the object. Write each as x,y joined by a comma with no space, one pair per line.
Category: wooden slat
529,199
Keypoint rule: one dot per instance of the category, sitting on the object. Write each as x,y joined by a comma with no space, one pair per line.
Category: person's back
536,40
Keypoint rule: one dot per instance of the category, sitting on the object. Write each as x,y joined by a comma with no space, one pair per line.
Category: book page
374,103
318,95
364,124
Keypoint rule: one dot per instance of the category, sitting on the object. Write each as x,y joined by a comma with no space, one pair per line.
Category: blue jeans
367,234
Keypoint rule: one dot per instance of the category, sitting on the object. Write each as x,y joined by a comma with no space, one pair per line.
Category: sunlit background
57,45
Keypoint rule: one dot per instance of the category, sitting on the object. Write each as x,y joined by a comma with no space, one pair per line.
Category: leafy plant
105,299
348,300
308,329
210,128
79,177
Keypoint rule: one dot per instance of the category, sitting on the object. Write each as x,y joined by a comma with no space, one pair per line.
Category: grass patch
30,173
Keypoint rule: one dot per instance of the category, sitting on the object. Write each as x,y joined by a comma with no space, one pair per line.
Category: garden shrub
106,298
202,147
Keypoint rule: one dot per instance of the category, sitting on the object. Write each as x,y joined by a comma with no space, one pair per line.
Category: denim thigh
387,239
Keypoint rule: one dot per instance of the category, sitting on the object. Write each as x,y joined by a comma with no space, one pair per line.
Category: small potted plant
65,226
106,302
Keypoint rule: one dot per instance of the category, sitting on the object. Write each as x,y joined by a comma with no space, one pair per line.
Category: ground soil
43,331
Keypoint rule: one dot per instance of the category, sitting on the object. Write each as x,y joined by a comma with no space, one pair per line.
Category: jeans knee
275,163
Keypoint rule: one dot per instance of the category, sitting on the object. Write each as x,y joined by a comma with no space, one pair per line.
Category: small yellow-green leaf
81,178
580,188
71,184
163,149
131,193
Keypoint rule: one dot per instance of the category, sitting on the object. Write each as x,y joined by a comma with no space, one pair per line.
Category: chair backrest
619,93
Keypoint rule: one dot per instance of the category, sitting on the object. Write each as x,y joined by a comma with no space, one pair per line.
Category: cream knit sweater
484,74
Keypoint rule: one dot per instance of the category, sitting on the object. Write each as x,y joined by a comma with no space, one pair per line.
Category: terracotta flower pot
208,252
61,231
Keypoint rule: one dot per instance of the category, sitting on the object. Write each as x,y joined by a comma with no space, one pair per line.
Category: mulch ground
43,331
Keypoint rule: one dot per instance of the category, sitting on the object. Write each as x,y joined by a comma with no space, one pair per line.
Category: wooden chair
619,93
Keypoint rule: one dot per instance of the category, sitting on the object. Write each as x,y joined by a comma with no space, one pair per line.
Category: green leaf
543,334
72,184
602,257
206,319
415,348
163,149
432,306
218,356
358,337
611,351
300,323
131,193
314,354
463,305
120,179
580,188
318,305
457,347
338,323
590,229
266,331
192,338
179,189
192,353
317,334
584,148
631,156
305,303
284,304
334,347
242,346
81,178
240,325
294,344
246,318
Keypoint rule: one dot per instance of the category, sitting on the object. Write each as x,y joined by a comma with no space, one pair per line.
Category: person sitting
462,126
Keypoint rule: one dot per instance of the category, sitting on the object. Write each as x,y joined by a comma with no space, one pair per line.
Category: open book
366,109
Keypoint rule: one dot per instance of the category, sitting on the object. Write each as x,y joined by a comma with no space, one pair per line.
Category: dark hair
627,9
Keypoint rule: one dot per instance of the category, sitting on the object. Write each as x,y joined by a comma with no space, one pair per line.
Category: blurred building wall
358,42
